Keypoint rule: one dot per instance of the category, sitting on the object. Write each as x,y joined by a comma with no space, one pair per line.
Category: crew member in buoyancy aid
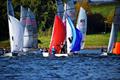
63,48
70,39
53,50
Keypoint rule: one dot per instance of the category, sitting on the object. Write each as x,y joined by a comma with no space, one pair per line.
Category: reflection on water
35,67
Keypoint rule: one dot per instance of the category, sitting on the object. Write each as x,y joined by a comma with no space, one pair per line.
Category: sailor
53,50
70,39
63,49
102,49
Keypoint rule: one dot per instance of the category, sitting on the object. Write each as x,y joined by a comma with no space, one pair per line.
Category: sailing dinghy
112,45
16,35
58,37
111,39
30,30
28,34
15,31
73,36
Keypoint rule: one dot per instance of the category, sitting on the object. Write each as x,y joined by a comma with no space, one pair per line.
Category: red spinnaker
58,35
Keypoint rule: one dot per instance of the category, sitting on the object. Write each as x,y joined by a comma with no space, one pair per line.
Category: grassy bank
94,40
4,44
97,40
91,40
104,9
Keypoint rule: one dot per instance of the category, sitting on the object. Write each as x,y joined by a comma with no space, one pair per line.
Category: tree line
45,11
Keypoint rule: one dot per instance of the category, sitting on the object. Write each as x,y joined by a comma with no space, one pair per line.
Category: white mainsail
70,10
64,15
28,34
34,26
60,8
16,34
111,39
30,29
68,35
82,25
23,15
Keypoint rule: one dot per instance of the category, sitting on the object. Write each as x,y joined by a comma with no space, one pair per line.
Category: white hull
104,54
8,55
45,54
61,55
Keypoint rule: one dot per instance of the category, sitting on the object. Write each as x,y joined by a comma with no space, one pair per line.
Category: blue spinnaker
76,37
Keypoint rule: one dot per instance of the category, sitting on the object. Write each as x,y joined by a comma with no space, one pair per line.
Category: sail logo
82,23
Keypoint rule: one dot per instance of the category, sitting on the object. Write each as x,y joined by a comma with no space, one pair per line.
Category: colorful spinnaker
30,29
34,29
10,10
74,36
16,34
58,35
82,25
28,34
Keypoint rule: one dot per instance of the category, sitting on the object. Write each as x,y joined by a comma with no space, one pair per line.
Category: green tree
44,10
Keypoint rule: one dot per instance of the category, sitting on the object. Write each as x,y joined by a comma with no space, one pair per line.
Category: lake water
35,67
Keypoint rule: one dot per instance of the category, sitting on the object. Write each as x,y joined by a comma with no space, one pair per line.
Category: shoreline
86,47
95,47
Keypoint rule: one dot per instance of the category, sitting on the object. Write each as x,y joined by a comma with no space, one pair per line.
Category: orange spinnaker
116,50
58,35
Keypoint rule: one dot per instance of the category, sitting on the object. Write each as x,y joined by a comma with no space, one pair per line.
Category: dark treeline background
45,11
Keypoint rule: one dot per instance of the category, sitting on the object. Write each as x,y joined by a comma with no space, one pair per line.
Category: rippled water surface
35,67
